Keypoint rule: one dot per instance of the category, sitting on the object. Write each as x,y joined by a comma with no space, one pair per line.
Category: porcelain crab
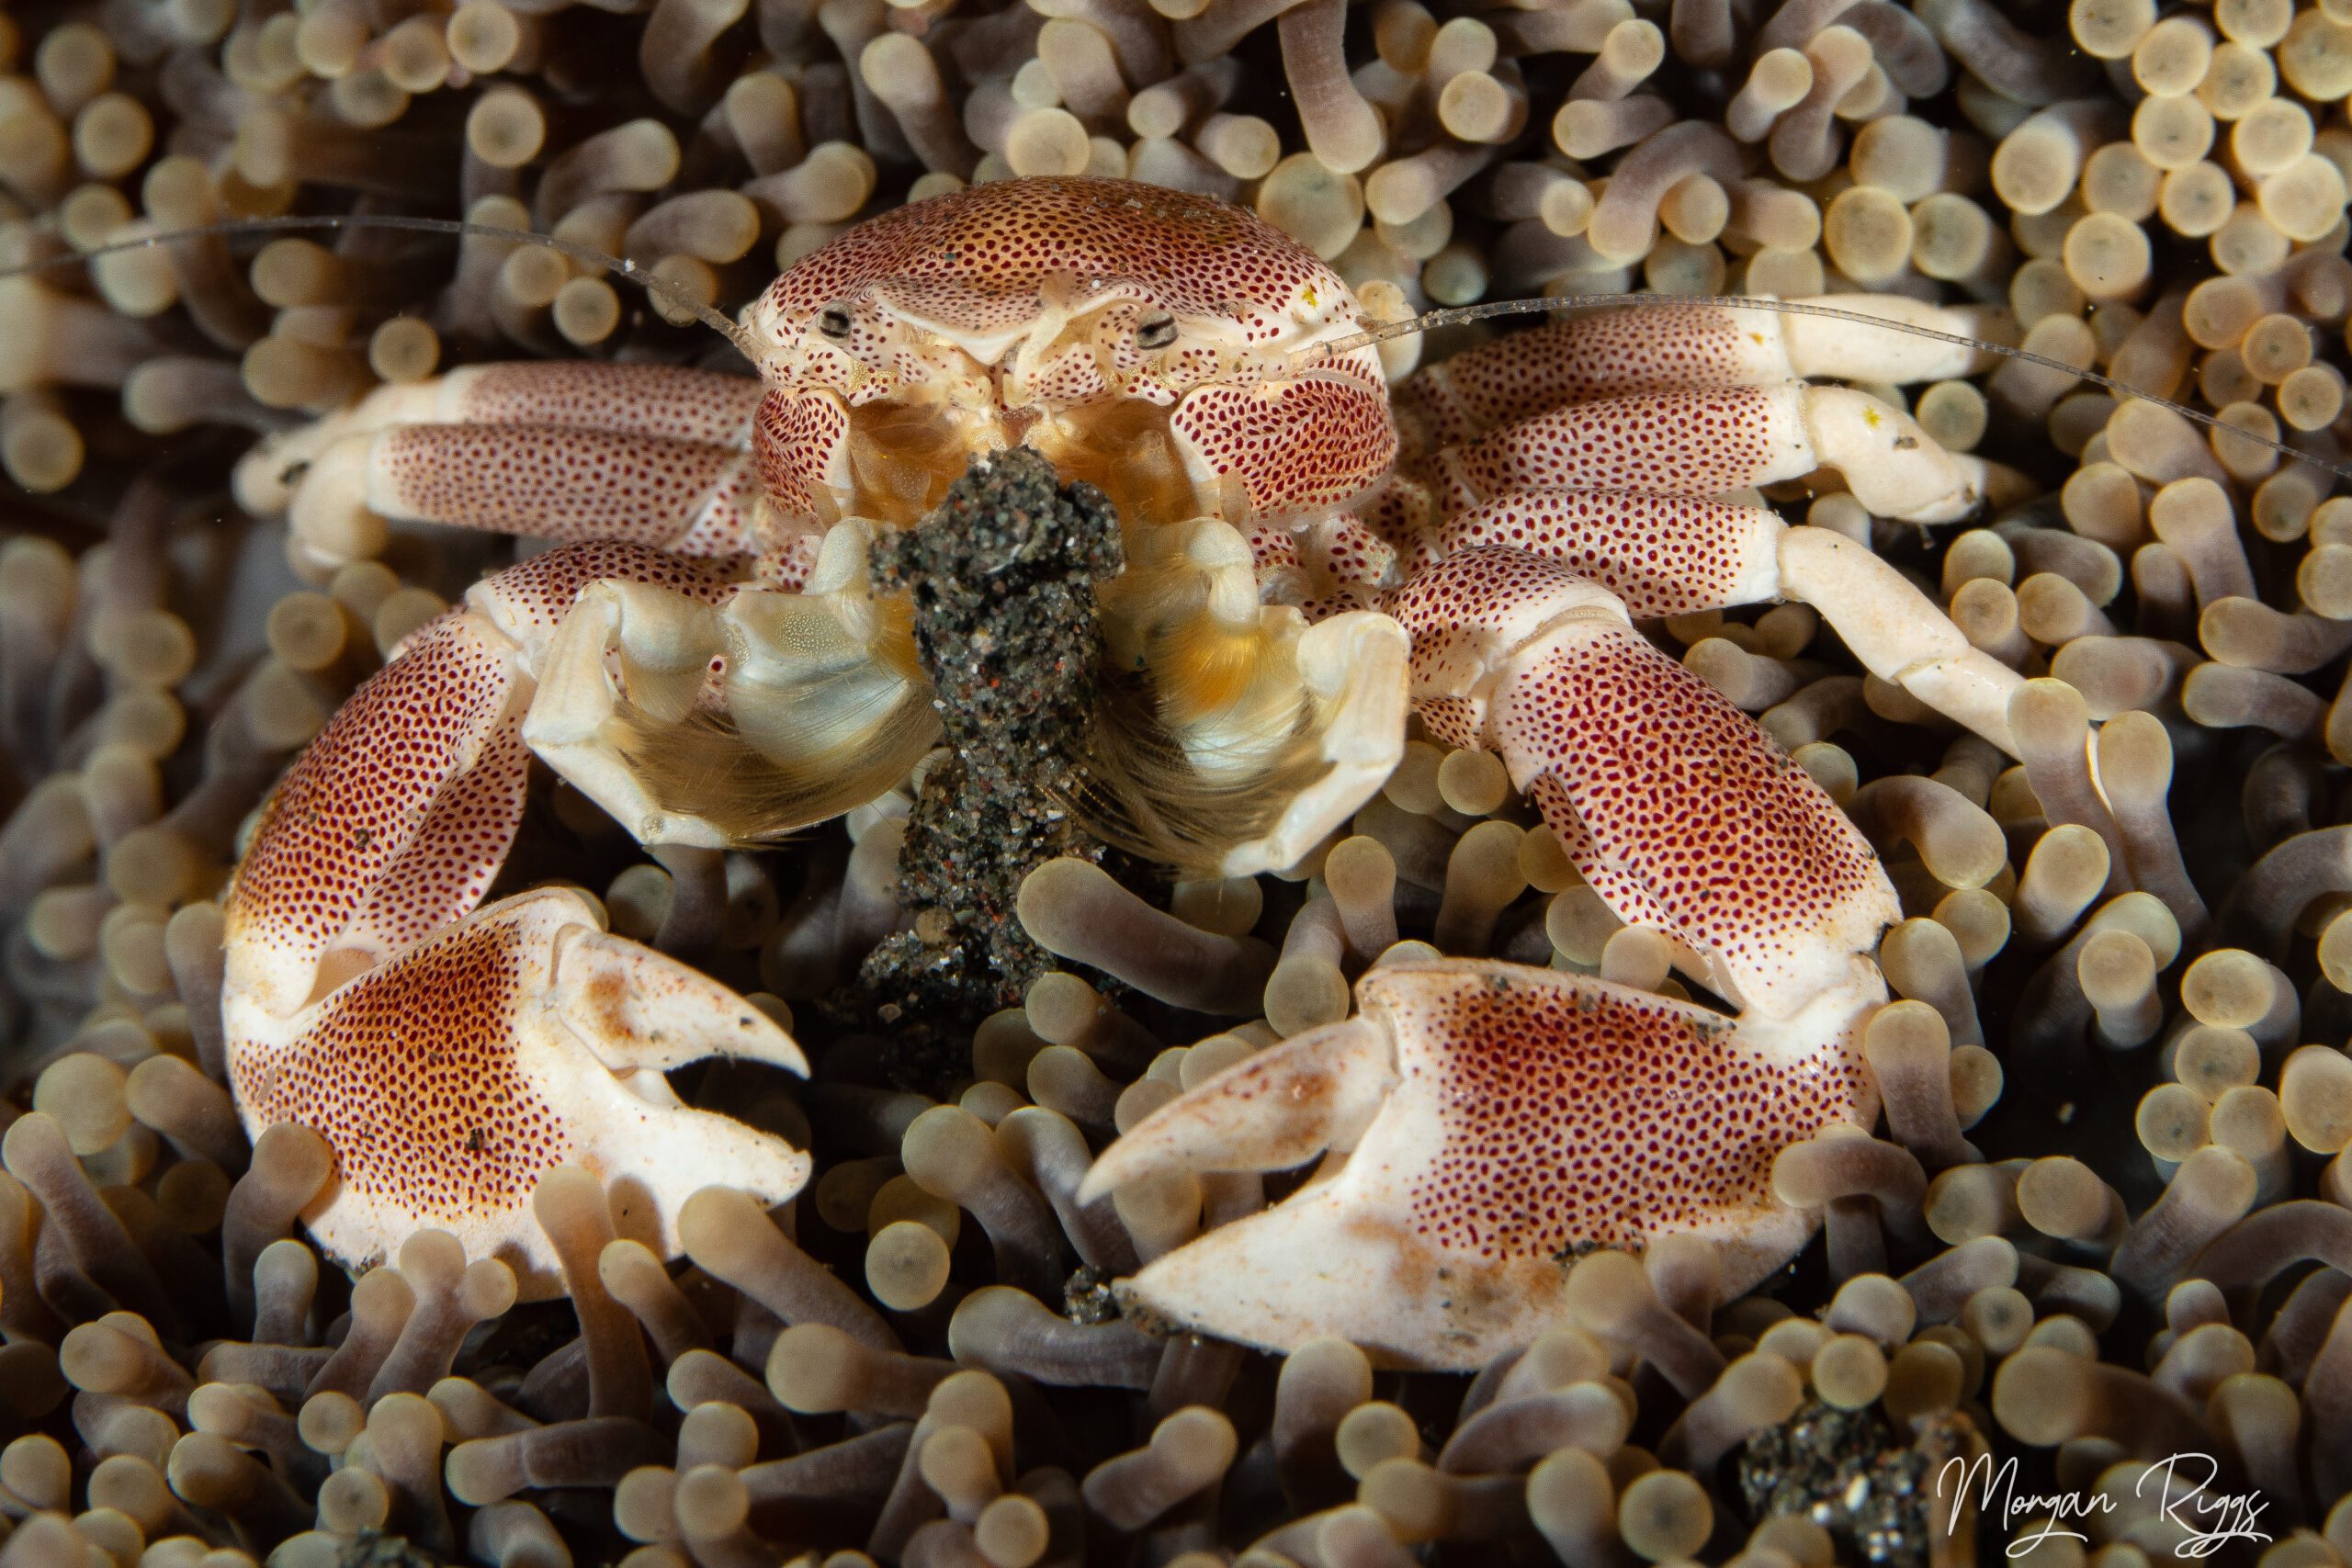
1307,561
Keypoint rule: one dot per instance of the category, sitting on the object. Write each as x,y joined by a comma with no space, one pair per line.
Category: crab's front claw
1315,1091
1501,1121
450,1078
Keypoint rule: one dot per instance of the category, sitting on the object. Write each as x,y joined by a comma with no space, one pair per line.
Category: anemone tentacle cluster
2105,1221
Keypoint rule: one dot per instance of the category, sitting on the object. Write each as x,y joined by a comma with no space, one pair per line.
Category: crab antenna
659,287
1456,315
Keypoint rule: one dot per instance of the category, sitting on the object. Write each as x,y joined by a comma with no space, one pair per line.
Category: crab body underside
704,657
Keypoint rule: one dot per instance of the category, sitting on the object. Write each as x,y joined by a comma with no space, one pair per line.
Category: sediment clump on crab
1002,579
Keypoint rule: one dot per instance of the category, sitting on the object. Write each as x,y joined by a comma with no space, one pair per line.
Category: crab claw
522,1038
1497,1122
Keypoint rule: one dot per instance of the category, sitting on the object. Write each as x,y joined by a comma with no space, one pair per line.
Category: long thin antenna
659,287
1455,315
1459,314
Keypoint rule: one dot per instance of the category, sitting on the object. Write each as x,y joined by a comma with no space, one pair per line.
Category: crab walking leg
446,1069
1523,1117
668,402
560,452
1676,555
1670,794
1667,348
1705,443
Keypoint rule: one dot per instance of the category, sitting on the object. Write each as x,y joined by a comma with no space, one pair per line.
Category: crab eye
1156,333
833,322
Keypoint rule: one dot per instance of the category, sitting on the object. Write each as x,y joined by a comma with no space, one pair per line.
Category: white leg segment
1898,633
1855,351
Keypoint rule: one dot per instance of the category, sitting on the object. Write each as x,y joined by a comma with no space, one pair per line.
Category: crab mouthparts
1018,422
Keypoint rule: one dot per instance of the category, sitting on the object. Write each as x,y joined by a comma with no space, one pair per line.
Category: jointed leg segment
644,454
1674,555
1708,442
1629,353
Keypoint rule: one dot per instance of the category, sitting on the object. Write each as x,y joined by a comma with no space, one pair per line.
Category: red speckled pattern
1473,607
1612,355
1574,1113
410,1073
569,484
1458,722
1399,511
1344,552
1626,897
537,594
425,756
976,258
1271,548
1314,442
1006,256
799,439
1669,442
1662,555
663,400
1753,864
1734,849
394,821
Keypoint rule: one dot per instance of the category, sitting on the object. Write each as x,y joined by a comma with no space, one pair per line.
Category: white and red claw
450,1059
1489,1123
1497,1122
